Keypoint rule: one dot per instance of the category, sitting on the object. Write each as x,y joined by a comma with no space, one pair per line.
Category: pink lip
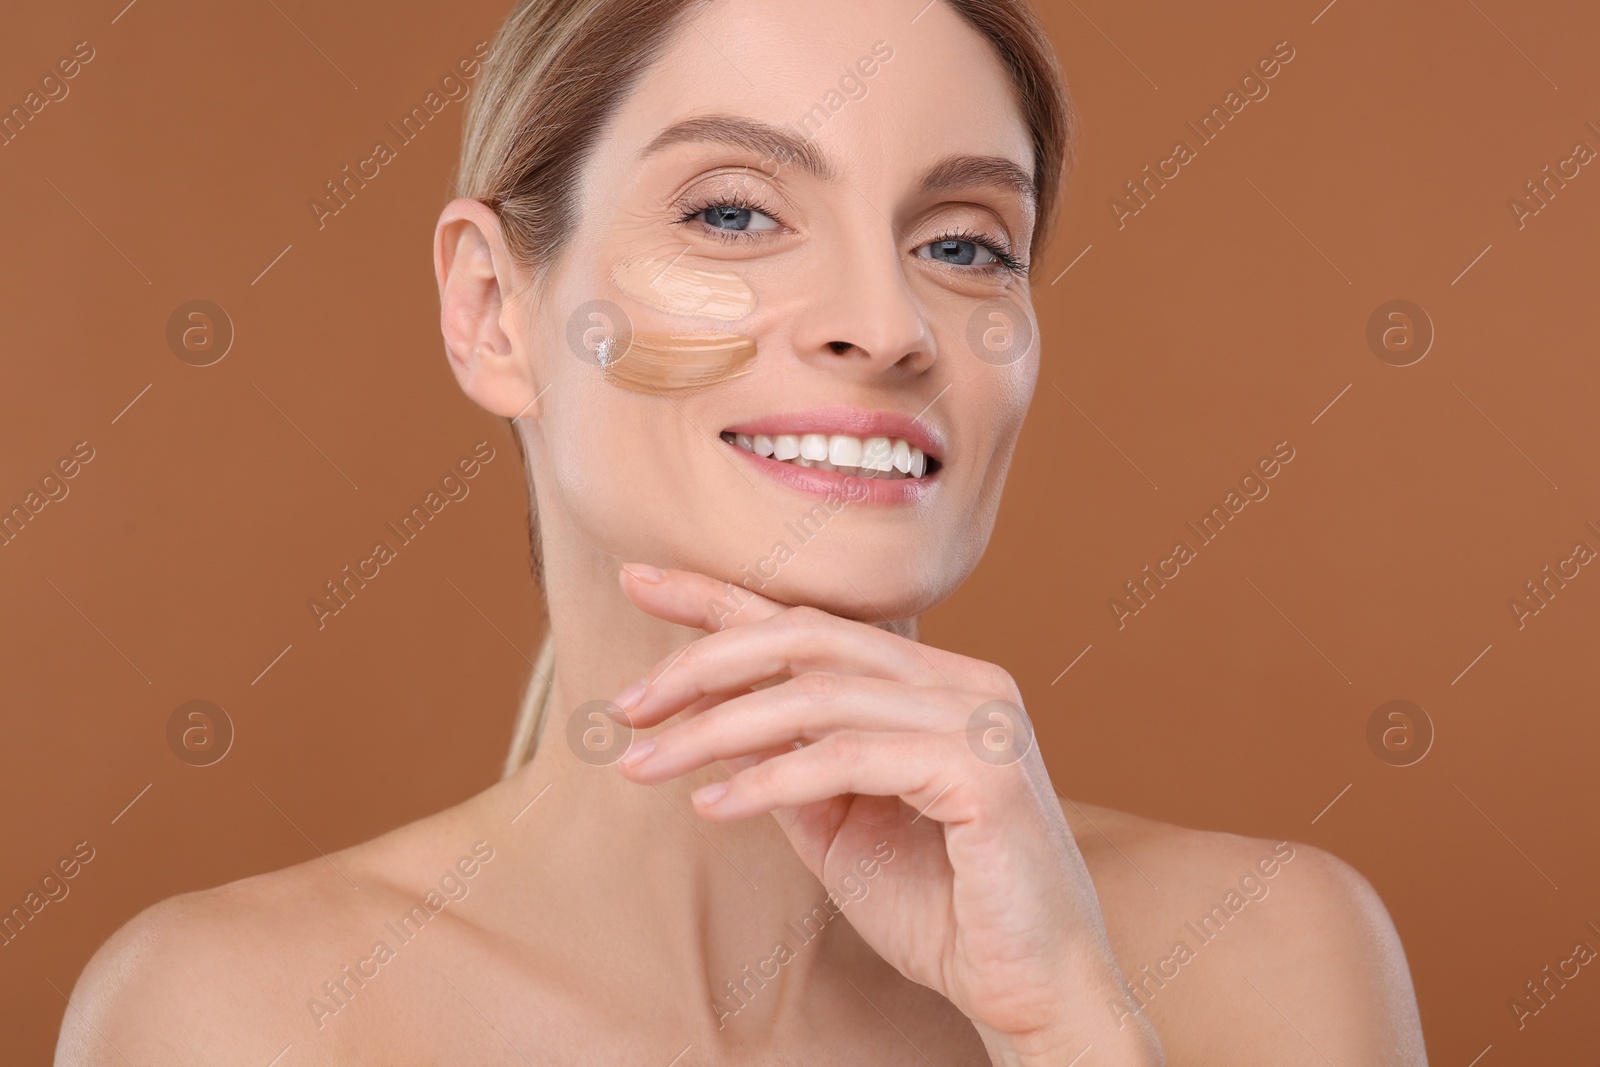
839,485
854,422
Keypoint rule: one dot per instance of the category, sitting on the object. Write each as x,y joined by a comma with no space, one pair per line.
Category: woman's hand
860,736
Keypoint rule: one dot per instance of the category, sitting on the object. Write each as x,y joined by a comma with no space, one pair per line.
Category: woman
750,280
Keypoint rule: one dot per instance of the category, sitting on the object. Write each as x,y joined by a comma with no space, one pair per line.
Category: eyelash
1007,261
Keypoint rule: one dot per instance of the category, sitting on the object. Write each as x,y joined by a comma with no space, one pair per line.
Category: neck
704,902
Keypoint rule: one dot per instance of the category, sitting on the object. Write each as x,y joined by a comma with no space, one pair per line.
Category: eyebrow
961,172
772,142
785,146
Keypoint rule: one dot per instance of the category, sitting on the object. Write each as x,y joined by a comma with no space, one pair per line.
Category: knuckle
847,747
817,686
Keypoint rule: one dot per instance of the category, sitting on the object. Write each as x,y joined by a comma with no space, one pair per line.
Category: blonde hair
554,76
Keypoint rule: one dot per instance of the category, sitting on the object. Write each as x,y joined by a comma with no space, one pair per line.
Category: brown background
1225,317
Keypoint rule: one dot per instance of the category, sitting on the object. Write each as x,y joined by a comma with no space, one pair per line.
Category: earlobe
474,273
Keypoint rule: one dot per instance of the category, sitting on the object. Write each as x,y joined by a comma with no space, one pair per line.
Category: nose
862,313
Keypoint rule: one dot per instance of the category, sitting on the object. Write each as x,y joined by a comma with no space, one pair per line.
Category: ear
476,276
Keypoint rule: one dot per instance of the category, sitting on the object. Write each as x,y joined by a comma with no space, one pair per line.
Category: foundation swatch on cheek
665,364
683,290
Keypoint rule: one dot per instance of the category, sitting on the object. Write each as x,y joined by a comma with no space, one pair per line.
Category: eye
735,218
958,253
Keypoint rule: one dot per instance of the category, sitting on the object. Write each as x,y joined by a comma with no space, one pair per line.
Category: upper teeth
870,457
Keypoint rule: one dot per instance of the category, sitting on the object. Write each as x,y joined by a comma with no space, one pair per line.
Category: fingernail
637,752
645,573
629,698
707,795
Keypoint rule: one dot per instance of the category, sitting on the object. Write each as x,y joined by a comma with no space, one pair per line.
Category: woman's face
849,187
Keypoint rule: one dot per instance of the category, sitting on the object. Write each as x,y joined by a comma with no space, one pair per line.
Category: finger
691,599
798,641
933,773
804,709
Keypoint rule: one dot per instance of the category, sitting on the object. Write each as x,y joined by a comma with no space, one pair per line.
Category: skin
618,899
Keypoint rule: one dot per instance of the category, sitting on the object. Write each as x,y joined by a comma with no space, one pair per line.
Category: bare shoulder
1244,950
226,974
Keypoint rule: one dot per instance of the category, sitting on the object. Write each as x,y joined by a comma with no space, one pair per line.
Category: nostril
840,347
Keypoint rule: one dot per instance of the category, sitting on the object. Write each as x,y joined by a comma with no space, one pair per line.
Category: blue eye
735,218
958,253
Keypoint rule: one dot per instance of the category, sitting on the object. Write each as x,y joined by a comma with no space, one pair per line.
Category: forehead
879,89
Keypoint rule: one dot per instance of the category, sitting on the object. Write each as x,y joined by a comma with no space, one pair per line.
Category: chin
842,579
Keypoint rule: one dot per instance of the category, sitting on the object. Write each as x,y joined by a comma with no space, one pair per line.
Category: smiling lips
889,458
